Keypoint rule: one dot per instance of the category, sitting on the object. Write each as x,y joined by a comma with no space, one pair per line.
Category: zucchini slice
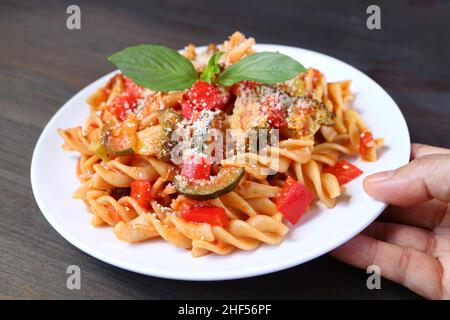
227,179
116,144
120,139
169,115
168,119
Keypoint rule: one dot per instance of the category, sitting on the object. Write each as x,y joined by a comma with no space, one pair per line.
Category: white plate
53,180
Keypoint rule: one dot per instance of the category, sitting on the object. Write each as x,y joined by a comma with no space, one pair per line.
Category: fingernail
379,177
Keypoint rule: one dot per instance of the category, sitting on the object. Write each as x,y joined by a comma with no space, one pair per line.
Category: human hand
411,242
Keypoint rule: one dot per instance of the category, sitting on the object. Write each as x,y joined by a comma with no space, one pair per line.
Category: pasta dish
217,149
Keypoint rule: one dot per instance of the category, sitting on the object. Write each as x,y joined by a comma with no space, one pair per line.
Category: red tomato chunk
141,192
196,168
344,171
214,216
132,88
293,200
121,105
275,112
203,96
365,140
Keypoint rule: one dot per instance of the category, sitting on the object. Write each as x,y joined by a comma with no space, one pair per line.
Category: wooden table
42,64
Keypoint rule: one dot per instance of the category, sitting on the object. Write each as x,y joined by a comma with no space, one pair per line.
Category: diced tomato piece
133,89
241,86
196,168
365,140
293,200
121,105
203,95
214,216
275,112
141,192
344,171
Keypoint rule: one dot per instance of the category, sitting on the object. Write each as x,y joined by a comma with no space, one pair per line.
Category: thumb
424,178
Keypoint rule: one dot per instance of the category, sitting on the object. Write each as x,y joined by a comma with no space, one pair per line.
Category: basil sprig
212,68
155,67
164,69
263,67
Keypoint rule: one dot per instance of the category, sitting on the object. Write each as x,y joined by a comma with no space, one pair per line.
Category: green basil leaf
155,67
263,67
212,68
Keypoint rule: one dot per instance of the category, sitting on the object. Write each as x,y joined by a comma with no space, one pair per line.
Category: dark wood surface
42,64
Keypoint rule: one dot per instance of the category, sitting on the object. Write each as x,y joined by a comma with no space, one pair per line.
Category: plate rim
253,272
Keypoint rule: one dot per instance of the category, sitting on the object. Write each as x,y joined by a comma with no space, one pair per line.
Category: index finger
423,179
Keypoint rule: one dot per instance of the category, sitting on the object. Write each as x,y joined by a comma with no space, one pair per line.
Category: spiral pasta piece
75,140
273,159
112,211
85,167
349,125
244,235
236,48
324,185
202,238
146,225
118,174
